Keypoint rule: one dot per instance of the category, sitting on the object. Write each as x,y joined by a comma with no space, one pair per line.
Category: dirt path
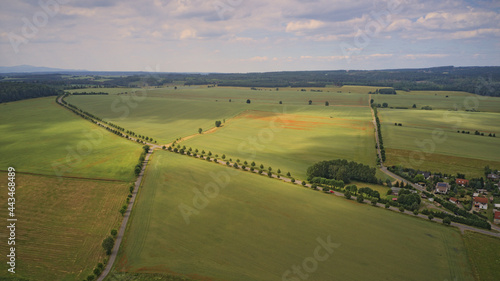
126,216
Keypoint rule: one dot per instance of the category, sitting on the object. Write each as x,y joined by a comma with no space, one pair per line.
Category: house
394,199
497,206
475,194
482,191
462,182
395,190
497,217
442,187
425,174
481,203
493,177
454,200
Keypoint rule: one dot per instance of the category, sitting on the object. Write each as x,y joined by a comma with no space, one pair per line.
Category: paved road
126,216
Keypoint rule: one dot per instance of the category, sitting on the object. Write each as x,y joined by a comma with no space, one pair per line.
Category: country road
126,216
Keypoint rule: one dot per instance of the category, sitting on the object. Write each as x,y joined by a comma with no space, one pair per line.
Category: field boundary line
68,177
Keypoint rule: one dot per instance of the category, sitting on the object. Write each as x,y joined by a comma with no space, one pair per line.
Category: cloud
303,25
424,56
259,59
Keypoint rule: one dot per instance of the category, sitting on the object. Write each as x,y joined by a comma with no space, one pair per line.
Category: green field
292,138
484,255
60,226
440,100
432,136
39,136
256,228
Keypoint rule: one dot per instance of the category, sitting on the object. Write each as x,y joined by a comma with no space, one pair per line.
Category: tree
252,164
303,183
114,232
387,206
248,100
292,180
401,209
327,103
360,198
175,88
279,171
261,166
288,174
218,123
447,221
430,217
223,156
310,102
374,201
385,104
281,102
270,169
108,244
388,182
200,130
97,271
123,209
347,195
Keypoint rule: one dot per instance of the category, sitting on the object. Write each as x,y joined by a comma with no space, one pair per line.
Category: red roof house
497,217
462,182
481,203
454,200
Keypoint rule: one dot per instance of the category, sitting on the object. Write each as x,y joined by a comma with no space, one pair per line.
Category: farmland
39,136
445,100
229,239
432,136
483,254
61,225
294,137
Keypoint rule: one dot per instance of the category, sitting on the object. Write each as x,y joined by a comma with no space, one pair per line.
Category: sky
248,35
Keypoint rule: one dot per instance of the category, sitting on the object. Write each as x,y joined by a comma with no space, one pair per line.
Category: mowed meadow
293,138
60,226
256,228
290,136
40,136
433,140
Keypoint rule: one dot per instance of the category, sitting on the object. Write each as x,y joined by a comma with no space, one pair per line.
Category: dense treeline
342,170
13,91
380,140
89,93
479,80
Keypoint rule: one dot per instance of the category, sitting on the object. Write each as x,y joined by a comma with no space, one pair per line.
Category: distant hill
32,69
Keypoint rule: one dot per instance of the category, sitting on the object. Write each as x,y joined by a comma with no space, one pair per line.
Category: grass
257,228
440,100
432,136
61,225
293,138
39,136
483,252
163,119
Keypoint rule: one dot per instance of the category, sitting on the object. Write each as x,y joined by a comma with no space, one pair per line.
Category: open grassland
440,100
165,120
111,91
256,228
293,138
484,255
289,96
61,225
428,140
39,136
